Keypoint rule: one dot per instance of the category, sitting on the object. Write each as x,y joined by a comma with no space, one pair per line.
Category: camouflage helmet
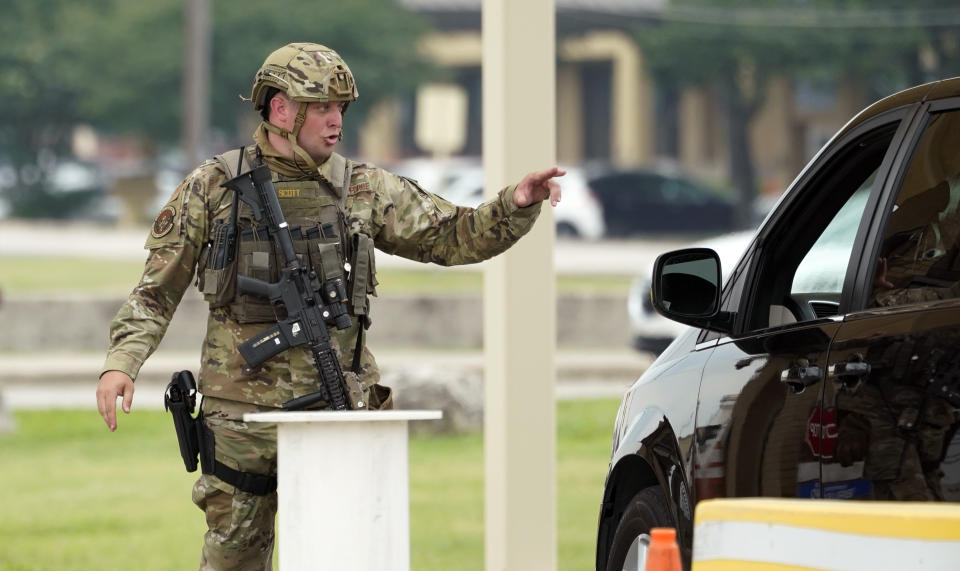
305,72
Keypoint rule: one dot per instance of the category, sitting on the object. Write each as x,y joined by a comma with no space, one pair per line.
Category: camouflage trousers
240,525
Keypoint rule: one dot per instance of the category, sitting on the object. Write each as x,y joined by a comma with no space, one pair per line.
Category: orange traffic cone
663,553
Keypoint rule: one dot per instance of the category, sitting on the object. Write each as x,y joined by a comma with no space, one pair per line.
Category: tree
376,38
117,66
737,47
39,107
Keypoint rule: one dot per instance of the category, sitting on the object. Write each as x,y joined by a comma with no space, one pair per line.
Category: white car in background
652,332
578,215
460,180
434,175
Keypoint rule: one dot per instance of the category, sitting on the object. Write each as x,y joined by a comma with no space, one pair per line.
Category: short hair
265,110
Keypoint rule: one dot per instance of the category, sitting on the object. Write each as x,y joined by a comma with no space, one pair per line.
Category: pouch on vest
217,268
380,397
364,272
217,281
255,259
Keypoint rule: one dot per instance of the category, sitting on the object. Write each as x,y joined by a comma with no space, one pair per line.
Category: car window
680,192
804,257
920,252
646,186
824,267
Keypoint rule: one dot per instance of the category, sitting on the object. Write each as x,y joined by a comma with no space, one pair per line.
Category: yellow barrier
802,535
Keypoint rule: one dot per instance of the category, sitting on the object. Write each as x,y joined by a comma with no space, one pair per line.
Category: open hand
114,384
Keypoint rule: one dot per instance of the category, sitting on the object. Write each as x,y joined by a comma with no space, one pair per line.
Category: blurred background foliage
117,67
738,46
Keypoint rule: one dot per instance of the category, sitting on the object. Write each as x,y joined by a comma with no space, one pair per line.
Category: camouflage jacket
399,216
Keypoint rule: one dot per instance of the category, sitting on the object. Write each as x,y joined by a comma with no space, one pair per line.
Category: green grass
47,276
20,276
77,497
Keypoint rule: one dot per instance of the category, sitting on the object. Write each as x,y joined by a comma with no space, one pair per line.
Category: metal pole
196,81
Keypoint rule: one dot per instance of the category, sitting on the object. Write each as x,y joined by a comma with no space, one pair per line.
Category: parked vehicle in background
435,175
649,201
827,365
66,190
652,332
579,214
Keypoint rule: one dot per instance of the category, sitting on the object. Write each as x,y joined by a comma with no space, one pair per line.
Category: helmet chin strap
310,167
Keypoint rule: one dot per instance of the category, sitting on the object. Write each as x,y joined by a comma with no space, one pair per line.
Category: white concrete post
519,136
343,486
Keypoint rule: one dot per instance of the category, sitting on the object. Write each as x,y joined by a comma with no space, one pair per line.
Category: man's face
321,129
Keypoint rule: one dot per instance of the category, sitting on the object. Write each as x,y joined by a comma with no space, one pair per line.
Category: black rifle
309,304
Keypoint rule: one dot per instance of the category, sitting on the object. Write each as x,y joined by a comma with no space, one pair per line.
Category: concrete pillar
702,139
632,104
773,133
694,134
519,134
379,135
343,488
569,114
631,117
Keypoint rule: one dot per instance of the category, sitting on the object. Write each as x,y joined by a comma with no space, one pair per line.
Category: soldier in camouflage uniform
900,419
341,207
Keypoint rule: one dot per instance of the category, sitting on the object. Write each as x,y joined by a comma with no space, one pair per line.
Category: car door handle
849,376
799,378
851,369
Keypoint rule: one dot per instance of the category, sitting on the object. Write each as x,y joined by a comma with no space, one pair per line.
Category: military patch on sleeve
164,222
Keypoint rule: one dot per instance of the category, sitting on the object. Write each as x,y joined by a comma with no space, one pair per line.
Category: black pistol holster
196,438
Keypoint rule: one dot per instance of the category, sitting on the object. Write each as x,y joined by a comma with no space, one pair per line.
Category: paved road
18,238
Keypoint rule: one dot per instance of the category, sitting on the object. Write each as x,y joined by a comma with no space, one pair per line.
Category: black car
644,201
827,366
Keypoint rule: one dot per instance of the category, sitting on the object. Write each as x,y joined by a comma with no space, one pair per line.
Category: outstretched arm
411,222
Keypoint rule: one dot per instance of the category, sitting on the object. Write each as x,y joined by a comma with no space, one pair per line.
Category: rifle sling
358,350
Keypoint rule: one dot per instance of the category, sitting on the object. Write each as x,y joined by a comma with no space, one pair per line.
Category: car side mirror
686,288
